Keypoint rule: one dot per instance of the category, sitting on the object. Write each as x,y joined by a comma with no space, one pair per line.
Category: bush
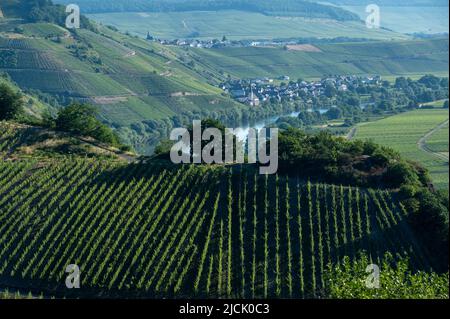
430,222
401,173
11,104
347,280
81,119
408,191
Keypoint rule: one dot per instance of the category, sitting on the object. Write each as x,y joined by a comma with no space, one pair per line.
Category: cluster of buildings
255,91
216,43
195,43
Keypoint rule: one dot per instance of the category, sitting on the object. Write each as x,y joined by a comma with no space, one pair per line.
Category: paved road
422,143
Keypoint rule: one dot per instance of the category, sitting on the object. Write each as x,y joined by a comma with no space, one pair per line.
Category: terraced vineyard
385,58
152,230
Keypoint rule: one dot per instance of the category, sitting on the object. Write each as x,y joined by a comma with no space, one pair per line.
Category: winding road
422,143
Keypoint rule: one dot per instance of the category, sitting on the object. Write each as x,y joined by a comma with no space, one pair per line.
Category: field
438,142
384,58
148,230
399,19
236,25
402,132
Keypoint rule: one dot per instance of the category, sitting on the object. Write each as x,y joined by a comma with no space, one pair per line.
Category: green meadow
235,25
438,142
402,133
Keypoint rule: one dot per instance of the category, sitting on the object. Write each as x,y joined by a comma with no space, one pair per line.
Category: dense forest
269,7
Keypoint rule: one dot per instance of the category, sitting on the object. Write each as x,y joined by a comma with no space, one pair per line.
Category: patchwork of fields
155,231
236,25
134,80
402,132
384,58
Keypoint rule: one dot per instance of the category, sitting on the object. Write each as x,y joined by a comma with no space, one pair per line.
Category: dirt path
422,143
351,134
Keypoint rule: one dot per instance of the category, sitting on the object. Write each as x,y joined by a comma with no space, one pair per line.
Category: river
242,132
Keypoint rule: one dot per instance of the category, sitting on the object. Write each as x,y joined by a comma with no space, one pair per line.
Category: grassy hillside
438,142
402,132
153,231
129,79
384,58
19,141
236,25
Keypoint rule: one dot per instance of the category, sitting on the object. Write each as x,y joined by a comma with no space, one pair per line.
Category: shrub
11,104
81,119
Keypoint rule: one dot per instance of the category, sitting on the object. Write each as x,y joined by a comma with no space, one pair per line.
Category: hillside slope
129,79
276,7
383,58
149,230
19,141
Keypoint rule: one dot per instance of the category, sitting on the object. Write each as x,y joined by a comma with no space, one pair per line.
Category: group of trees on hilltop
279,7
81,119
333,159
77,118
45,11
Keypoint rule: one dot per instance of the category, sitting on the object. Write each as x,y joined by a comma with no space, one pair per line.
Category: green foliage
402,132
45,11
11,103
81,119
397,281
333,159
8,59
431,221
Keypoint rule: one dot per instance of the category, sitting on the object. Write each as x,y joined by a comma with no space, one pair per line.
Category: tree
11,104
330,90
445,106
82,119
334,113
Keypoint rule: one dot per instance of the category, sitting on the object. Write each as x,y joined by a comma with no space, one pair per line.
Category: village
194,42
256,91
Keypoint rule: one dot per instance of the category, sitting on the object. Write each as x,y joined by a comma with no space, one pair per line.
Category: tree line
279,7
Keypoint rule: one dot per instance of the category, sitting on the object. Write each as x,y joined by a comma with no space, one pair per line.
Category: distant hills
403,3
143,89
270,7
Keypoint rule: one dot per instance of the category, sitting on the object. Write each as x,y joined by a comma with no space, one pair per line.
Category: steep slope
383,58
148,230
34,108
19,141
129,79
